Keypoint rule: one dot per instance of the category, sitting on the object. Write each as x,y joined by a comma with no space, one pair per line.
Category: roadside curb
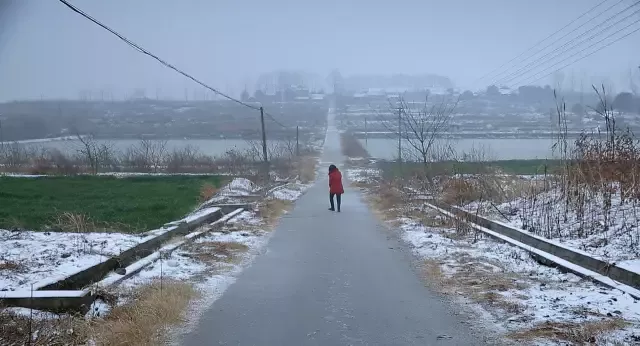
547,252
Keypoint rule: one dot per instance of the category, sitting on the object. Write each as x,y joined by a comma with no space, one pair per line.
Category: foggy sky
46,49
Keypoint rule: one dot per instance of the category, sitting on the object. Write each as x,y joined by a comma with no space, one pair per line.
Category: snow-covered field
611,235
526,300
28,258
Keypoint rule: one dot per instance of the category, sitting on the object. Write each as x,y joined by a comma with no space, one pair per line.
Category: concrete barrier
57,297
114,279
53,301
97,272
573,256
55,294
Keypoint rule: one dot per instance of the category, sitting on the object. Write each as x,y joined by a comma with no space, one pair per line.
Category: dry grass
207,191
80,223
141,322
46,329
270,210
574,333
306,167
213,252
12,266
457,191
155,307
351,146
75,223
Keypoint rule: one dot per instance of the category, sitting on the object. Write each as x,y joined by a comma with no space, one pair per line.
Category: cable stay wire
545,39
541,61
144,51
585,56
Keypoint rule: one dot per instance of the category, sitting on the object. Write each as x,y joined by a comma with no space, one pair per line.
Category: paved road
330,279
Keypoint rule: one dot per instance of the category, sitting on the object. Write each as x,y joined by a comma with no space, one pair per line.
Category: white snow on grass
239,187
288,192
612,236
234,192
41,257
362,175
537,293
211,279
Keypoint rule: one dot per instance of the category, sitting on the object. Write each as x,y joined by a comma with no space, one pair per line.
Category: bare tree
95,154
147,156
422,129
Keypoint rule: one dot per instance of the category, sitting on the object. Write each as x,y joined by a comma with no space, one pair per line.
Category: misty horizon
47,51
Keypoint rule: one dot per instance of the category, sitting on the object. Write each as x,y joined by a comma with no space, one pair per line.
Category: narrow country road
330,279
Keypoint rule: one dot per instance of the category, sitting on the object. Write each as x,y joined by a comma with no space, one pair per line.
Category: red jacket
335,182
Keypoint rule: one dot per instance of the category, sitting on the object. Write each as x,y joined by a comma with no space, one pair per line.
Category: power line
588,55
525,69
543,40
144,51
567,34
274,120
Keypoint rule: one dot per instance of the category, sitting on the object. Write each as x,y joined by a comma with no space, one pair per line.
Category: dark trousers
338,199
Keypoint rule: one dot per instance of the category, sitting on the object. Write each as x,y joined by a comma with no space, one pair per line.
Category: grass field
521,167
132,204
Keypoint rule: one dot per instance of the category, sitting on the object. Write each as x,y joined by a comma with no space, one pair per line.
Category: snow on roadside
362,175
526,293
612,236
37,258
233,192
288,192
28,257
212,263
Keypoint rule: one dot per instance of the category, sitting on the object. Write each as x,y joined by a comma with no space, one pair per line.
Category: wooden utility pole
297,140
366,133
400,135
264,138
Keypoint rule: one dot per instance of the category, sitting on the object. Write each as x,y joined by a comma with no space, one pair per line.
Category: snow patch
38,258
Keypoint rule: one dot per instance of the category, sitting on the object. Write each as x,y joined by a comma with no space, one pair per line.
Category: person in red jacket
335,186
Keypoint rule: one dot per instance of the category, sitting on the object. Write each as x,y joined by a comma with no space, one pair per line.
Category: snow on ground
288,192
362,175
612,236
212,263
28,257
524,293
37,258
234,191
239,186
506,284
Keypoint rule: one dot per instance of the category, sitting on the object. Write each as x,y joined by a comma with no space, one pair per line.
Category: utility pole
297,140
400,135
366,133
1,138
264,139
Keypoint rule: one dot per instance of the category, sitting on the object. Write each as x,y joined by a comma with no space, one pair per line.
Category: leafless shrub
95,154
147,155
597,186
189,159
